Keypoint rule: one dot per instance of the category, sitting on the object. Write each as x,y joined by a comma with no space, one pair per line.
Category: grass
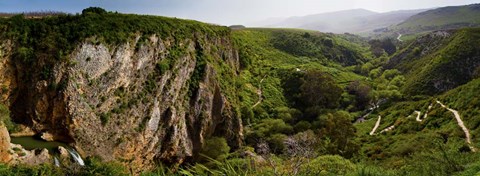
442,18
262,60
428,62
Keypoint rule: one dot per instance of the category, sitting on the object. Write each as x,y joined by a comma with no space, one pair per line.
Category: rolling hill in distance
351,21
369,23
441,18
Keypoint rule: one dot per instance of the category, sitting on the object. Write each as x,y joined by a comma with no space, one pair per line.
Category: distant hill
441,18
351,21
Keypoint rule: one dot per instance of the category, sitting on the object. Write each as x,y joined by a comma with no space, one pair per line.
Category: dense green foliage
315,45
52,38
215,148
93,166
432,144
6,120
434,64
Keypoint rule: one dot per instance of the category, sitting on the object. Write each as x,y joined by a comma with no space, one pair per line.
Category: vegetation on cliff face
307,100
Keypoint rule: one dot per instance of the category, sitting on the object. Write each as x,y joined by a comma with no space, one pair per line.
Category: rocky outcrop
148,100
16,154
29,157
7,71
5,155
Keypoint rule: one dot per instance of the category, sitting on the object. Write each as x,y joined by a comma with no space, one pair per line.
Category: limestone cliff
5,155
149,99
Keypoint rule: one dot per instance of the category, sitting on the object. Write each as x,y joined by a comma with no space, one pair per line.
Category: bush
337,132
328,165
94,166
215,148
104,118
23,170
302,126
5,118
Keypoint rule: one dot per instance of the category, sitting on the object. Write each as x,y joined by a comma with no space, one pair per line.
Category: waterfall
76,156
56,162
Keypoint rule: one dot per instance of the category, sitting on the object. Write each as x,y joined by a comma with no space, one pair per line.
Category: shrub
215,148
5,118
94,166
104,118
328,165
302,126
24,170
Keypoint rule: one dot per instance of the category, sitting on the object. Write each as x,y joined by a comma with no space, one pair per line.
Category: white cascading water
56,162
76,156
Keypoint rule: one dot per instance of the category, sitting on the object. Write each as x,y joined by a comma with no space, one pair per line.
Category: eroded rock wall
148,100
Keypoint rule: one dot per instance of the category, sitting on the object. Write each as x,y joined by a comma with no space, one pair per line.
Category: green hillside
439,61
441,18
267,55
436,145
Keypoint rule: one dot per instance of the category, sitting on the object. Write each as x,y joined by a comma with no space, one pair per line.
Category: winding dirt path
462,125
390,128
454,112
418,116
259,93
428,110
376,126
399,36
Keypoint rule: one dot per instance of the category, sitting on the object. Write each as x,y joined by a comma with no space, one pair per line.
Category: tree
378,47
318,89
361,91
96,10
337,133
388,46
387,86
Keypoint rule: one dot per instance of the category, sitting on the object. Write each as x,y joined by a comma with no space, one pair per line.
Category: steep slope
439,124
136,89
441,19
266,67
439,61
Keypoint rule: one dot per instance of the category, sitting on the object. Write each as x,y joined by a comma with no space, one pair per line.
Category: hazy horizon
226,12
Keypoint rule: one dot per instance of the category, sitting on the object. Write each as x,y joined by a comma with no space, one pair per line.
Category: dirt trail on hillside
399,36
461,124
454,112
376,125
428,110
259,93
418,116
390,128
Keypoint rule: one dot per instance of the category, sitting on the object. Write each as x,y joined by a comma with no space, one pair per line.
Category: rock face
147,100
5,155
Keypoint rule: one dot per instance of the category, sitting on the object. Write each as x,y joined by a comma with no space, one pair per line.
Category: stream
30,143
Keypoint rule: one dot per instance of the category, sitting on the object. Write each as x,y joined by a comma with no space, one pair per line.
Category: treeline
36,14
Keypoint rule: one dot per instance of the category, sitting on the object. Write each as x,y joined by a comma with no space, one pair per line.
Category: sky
225,12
